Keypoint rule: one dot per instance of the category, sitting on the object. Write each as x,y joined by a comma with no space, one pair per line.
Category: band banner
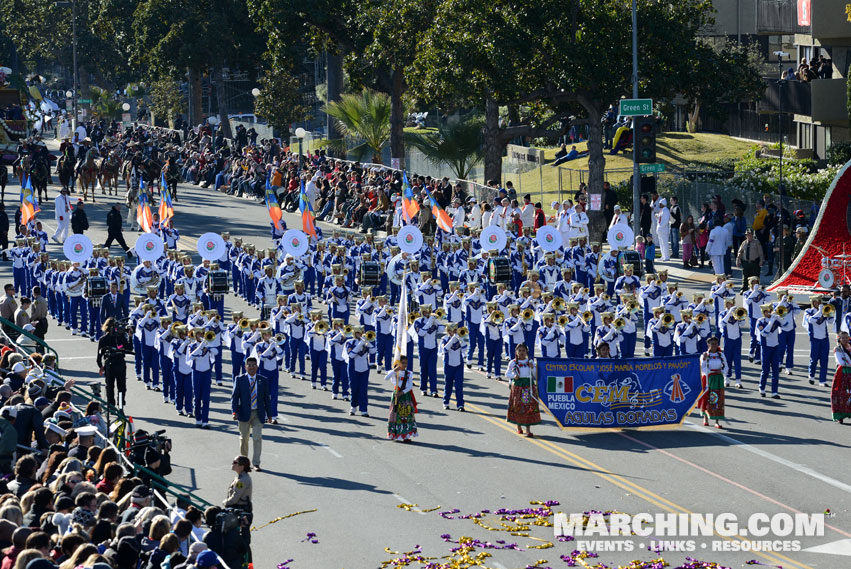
637,393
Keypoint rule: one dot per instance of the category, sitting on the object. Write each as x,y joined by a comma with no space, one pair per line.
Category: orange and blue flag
29,203
409,206
166,207
272,205
307,215
443,220
143,209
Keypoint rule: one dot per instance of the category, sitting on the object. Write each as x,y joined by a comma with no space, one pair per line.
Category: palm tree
457,143
365,117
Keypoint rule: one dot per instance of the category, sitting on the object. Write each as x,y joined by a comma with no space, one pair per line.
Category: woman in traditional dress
840,392
523,401
401,424
713,366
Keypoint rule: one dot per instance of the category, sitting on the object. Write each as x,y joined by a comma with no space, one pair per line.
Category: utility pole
636,177
780,83
73,5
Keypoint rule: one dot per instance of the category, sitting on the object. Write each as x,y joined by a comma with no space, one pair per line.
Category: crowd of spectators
69,500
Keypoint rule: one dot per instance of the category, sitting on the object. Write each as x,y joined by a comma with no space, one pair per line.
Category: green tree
363,117
457,143
166,99
725,72
280,100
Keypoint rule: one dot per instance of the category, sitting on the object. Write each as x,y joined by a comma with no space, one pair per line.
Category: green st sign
635,107
651,168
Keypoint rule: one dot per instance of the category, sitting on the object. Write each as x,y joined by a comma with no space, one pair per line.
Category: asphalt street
773,456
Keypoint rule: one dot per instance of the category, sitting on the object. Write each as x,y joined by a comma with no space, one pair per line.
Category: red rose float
829,240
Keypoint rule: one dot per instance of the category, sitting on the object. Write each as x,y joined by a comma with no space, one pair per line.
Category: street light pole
636,179
780,83
74,56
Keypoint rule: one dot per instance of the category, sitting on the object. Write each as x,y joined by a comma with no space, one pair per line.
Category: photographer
152,451
227,536
111,350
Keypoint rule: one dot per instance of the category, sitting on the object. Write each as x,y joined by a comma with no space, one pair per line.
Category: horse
65,170
132,199
4,179
172,175
38,172
108,172
88,175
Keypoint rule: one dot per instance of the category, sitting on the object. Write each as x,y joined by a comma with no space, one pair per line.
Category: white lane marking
332,451
66,358
52,340
406,501
841,547
806,470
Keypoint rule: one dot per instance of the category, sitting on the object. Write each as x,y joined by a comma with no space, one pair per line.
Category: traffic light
644,144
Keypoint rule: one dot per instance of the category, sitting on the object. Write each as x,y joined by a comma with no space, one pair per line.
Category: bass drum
827,279
499,270
370,273
217,282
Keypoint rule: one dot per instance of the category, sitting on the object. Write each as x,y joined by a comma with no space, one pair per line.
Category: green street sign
86,101
635,107
651,168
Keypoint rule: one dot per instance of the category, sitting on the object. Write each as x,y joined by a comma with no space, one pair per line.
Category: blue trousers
819,351
20,280
648,337
66,303
340,314
297,349
78,305
477,339
754,350
272,377
494,349
360,389
384,350
575,350
628,345
201,381
310,279
770,357
733,353
168,378
319,365
394,293
428,370
137,357
217,365
183,390
94,321
454,376
551,353
341,376
788,348
662,351
237,359
151,365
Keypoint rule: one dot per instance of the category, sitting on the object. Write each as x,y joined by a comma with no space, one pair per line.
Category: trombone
463,332
828,310
562,320
209,336
439,313
244,324
558,305
497,317
781,311
280,339
700,318
347,330
619,324
588,316
740,313
528,315
369,336
632,306
321,328
668,319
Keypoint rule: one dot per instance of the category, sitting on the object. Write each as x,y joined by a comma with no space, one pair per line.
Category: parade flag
166,208
29,203
307,215
272,205
400,347
409,205
143,210
443,220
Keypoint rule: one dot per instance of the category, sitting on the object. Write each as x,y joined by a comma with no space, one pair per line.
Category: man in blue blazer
251,408
112,305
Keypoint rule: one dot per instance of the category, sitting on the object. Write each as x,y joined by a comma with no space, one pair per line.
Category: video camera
232,518
142,440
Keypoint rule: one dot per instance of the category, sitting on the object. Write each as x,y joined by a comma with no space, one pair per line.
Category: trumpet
321,328
668,319
463,332
369,336
781,311
528,315
244,324
558,305
439,313
605,297
562,320
700,318
679,294
828,311
588,316
740,313
497,317
619,323
209,336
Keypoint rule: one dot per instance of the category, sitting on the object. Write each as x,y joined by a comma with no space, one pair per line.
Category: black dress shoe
775,396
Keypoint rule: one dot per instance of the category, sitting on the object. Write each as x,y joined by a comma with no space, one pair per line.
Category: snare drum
836,263
217,282
370,273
